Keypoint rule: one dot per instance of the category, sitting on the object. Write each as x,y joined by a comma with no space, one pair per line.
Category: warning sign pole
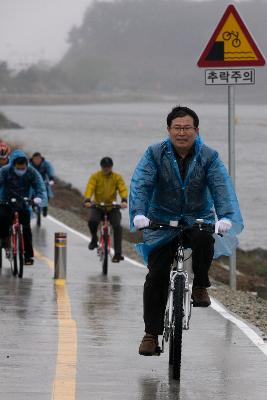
231,163
231,45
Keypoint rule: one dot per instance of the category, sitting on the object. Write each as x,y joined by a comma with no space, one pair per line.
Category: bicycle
236,42
37,211
15,242
103,250
179,304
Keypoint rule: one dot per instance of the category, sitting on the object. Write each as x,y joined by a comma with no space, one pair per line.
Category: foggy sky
31,30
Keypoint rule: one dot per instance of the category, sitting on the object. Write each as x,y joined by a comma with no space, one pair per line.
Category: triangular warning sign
231,44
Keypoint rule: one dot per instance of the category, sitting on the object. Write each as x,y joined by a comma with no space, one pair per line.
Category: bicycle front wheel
18,259
178,311
105,255
236,43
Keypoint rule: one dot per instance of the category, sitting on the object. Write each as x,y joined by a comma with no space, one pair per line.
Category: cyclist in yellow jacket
103,187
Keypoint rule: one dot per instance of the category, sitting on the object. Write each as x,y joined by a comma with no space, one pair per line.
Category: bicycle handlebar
104,206
153,225
13,201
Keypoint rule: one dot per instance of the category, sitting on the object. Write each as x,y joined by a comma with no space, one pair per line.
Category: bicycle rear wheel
13,255
105,255
171,349
13,267
1,260
38,215
178,325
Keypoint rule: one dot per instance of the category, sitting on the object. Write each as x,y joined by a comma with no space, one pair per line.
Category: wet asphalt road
81,339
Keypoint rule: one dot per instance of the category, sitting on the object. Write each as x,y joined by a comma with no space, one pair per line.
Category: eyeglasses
186,128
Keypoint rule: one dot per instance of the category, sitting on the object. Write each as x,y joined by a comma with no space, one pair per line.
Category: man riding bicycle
47,172
180,179
17,181
103,187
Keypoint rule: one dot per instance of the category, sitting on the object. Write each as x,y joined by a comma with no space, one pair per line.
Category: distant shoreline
118,97
79,99
5,123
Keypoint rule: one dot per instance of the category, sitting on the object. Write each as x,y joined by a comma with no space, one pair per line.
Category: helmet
106,162
4,150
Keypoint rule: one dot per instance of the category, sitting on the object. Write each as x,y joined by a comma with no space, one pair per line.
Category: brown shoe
200,297
117,258
148,345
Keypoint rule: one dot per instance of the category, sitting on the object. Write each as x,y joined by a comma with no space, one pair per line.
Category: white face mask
20,172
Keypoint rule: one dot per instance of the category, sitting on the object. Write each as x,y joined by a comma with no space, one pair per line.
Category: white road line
249,332
56,221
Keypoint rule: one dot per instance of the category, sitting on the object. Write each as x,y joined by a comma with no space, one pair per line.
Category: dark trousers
6,220
157,279
114,217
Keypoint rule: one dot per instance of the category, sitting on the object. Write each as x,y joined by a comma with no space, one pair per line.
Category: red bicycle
103,249
14,244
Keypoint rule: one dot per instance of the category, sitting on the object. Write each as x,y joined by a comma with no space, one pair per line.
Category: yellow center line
40,257
64,386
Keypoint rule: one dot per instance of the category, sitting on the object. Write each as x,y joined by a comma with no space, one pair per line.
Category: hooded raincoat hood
158,192
17,154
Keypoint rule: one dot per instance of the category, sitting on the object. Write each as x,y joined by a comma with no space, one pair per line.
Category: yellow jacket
104,188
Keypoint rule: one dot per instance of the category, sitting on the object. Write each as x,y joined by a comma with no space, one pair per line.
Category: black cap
106,162
37,154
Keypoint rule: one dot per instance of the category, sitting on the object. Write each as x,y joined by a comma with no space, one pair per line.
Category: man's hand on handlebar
124,204
223,225
87,203
37,201
140,221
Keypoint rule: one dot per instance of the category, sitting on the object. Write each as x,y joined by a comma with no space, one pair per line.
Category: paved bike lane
28,333
94,331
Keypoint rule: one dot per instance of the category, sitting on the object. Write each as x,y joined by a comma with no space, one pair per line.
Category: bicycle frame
105,229
16,227
103,250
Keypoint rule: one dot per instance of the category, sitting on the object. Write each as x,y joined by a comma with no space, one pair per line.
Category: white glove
51,183
223,225
140,221
37,200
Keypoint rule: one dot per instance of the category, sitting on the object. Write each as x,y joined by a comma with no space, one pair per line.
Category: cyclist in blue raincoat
46,170
17,181
180,179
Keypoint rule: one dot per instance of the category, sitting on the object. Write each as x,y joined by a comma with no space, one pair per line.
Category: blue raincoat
46,170
158,192
13,186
